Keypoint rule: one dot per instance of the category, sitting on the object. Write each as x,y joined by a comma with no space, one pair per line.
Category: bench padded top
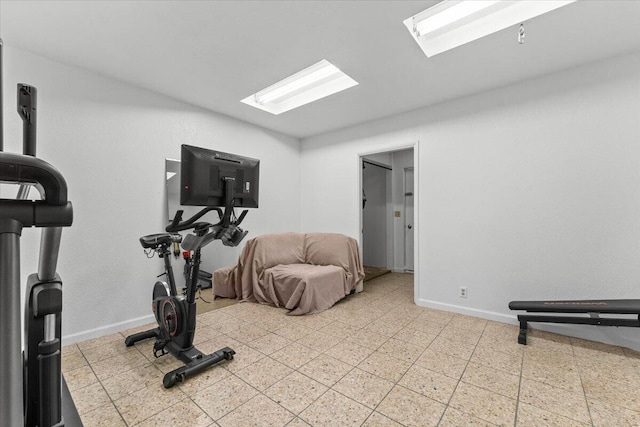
617,306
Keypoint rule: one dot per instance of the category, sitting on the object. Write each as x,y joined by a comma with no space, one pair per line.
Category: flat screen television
204,175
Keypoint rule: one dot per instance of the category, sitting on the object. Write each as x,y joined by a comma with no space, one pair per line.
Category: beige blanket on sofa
306,273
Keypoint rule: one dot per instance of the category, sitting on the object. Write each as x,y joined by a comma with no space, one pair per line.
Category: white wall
110,140
531,191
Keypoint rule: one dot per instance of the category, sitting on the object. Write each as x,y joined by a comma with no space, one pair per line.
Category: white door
408,219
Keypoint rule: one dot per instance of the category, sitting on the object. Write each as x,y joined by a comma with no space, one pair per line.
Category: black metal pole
27,102
1,114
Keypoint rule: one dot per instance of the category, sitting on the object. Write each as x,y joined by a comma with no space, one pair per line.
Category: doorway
387,221
376,215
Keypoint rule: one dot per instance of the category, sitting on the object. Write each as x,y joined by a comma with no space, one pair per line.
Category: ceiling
212,54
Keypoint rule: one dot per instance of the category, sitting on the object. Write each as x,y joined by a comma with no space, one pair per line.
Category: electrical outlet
463,291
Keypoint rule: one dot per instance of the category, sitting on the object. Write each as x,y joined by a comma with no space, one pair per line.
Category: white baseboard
106,330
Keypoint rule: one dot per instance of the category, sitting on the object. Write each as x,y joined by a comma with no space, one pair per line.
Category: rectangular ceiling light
313,83
452,23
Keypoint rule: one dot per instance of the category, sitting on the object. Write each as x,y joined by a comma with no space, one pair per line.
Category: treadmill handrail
19,168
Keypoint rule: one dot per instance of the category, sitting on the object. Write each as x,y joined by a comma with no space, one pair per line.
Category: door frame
404,184
416,203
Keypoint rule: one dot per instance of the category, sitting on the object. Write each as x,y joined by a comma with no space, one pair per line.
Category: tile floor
374,359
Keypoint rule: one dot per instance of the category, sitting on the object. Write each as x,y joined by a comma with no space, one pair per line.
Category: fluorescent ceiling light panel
452,23
313,83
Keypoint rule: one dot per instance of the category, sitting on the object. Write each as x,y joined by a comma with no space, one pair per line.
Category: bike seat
161,239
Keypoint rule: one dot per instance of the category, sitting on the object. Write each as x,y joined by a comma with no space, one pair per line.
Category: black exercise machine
215,176
32,389
568,309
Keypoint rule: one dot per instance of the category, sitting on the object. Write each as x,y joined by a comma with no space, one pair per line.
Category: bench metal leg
522,336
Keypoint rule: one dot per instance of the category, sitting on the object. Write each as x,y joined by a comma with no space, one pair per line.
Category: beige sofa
305,273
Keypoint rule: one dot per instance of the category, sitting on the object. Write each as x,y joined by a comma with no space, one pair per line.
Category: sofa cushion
327,249
304,288
274,249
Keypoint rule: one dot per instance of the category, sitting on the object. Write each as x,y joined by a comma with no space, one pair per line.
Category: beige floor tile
401,350
312,321
133,380
554,399
73,361
491,379
366,338
334,409
260,411
293,332
146,402
248,332
385,366
119,363
269,343
605,414
452,348
440,362
218,342
183,414
383,327
349,352
95,354
295,392
363,387
405,355
415,337
376,419
205,333
542,339
224,396
264,373
611,392
319,341
454,418
80,377
483,404
467,336
244,357
468,323
425,325
89,398
568,379
105,415
507,362
530,416
69,350
297,422
339,329
410,408
326,369
543,358
503,343
429,383
295,355
437,316
102,342
193,385
597,369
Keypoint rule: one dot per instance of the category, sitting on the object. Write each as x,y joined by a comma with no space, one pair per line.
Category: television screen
204,175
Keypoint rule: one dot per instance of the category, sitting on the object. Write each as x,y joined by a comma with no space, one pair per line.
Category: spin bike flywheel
168,310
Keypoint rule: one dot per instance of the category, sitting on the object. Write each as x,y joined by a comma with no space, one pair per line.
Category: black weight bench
593,308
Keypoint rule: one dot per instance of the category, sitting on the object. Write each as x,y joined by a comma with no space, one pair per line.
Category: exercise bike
175,312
